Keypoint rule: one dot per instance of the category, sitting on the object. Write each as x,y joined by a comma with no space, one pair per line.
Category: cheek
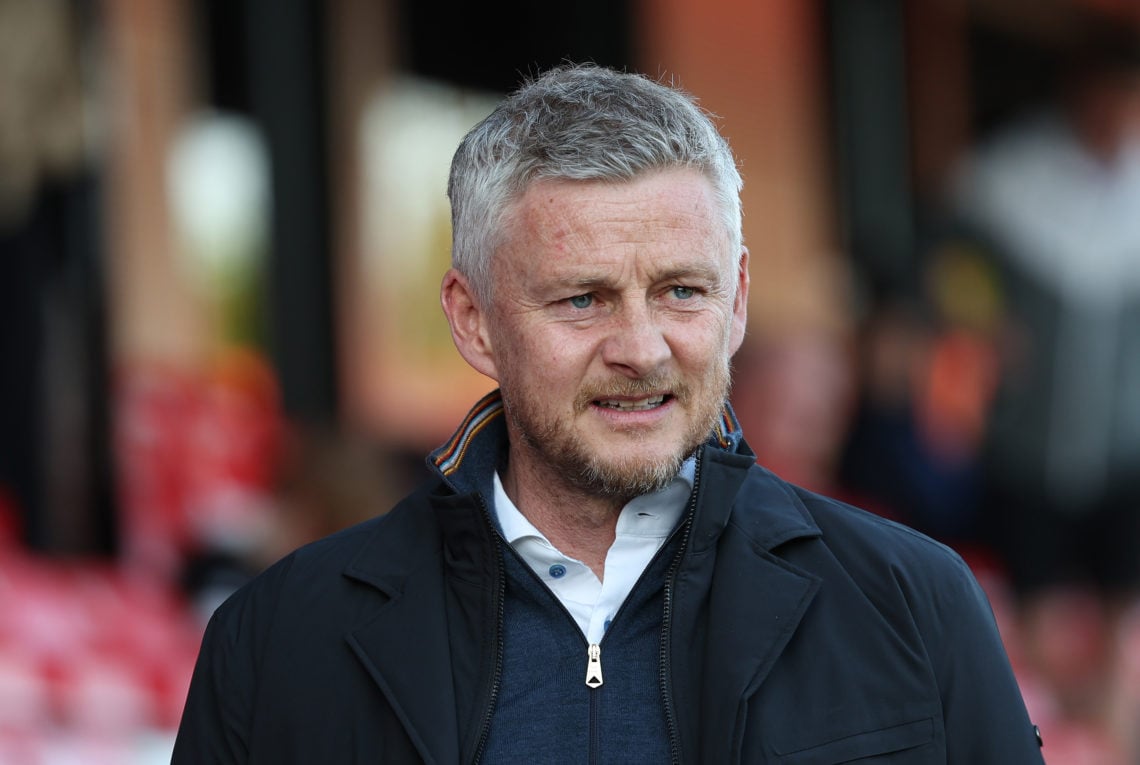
564,345
701,344
545,358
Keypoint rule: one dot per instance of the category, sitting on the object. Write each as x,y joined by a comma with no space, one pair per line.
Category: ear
468,322
740,303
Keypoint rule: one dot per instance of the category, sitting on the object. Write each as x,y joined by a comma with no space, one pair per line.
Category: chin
622,476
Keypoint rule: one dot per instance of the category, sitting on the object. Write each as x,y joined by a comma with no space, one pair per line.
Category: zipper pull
594,666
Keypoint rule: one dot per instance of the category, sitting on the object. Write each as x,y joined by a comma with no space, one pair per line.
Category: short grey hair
578,122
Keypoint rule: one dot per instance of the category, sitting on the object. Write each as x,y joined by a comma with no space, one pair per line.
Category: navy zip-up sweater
545,712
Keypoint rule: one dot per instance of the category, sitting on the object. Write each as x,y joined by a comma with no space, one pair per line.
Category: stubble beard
570,459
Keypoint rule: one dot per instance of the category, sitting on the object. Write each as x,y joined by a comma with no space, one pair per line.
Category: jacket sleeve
985,717
215,720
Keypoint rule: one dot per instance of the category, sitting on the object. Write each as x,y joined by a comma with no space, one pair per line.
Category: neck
579,524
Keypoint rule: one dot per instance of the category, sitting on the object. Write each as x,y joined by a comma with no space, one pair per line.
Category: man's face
616,309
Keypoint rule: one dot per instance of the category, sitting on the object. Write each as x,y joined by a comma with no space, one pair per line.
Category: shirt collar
653,515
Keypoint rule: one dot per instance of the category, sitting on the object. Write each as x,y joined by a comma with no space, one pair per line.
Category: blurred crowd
215,484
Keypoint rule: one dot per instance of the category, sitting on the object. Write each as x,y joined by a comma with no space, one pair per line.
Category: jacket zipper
595,744
496,677
594,666
667,621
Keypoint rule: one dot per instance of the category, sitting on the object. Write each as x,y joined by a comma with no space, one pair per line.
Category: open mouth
633,405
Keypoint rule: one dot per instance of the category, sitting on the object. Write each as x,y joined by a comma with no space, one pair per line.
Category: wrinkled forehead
681,199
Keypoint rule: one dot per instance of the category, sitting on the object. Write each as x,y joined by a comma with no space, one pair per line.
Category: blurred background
223,226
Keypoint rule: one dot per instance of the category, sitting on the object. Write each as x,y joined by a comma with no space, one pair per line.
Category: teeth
640,405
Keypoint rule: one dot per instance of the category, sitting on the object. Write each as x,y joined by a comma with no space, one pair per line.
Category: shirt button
557,571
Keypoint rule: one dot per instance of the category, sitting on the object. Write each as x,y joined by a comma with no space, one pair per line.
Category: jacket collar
467,461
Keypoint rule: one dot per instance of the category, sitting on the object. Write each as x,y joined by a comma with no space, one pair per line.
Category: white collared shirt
642,528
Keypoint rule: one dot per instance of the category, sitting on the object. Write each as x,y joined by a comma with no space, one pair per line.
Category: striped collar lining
449,456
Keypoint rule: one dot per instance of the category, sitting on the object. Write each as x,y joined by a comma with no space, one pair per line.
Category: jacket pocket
868,744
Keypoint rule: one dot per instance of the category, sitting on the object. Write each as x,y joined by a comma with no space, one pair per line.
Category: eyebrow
704,273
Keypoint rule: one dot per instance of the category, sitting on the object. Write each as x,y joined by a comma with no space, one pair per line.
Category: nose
636,345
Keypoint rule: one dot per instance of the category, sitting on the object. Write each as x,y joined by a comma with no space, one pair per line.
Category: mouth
633,404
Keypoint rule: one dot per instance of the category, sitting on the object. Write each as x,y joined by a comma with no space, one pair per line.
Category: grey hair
578,122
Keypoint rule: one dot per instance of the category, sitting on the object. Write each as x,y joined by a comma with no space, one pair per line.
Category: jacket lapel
404,645
756,602
754,610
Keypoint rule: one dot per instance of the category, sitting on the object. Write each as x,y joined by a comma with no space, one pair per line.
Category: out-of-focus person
1054,197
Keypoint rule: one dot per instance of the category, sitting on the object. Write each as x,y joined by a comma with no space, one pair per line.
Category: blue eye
683,293
582,301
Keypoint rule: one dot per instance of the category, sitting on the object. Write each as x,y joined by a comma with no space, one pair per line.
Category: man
600,572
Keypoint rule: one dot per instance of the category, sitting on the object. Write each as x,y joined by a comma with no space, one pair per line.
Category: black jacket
801,630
